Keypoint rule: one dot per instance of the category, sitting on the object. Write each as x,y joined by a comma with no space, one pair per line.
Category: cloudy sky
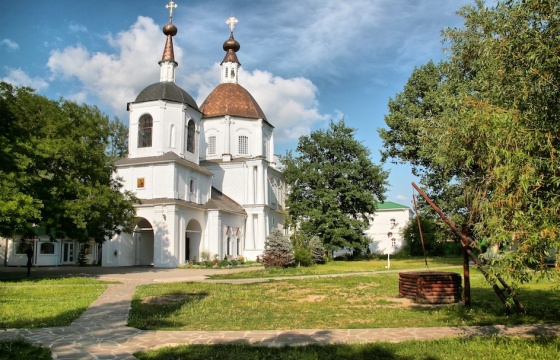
304,61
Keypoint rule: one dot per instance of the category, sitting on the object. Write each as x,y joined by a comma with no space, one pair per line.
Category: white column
249,236
260,184
226,153
261,232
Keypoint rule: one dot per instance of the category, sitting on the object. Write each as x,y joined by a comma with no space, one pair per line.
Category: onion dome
231,99
169,30
231,46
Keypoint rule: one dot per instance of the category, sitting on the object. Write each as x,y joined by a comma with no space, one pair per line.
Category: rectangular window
47,248
243,144
21,247
212,145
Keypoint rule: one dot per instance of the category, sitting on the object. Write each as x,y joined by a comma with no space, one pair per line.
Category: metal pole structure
467,243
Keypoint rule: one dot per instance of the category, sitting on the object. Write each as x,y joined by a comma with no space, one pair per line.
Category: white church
205,175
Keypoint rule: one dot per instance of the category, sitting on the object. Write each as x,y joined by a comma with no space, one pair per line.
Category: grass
46,302
22,350
484,348
351,302
343,267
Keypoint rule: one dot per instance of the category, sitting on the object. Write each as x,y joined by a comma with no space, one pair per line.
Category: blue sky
304,61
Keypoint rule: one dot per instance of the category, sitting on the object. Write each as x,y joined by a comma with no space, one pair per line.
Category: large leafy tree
55,171
481,129
334,187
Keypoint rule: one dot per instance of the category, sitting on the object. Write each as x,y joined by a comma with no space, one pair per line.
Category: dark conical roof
166,91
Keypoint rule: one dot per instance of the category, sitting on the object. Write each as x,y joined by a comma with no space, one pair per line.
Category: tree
118,139
278,251
481,129
55,171
334,187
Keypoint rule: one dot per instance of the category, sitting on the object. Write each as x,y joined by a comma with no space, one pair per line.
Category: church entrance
193,236
143,243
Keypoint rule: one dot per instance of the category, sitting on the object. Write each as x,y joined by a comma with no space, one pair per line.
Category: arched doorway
143,237
193,237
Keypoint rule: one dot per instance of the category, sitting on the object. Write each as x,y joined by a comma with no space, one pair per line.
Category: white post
388,261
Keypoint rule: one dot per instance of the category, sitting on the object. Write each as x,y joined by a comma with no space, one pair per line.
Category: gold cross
171,6
231,22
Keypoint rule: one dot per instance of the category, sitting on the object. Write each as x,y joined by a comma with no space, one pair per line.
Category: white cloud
290,105
118,77
10,44
73,27
18,77
401,198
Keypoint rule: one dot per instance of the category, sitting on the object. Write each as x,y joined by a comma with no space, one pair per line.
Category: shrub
241,260
205,256
302,256
317,250
278,251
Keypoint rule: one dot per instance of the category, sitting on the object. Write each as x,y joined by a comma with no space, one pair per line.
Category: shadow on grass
156,312
234,350
541,306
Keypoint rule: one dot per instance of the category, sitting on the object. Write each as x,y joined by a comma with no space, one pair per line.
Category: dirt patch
312,298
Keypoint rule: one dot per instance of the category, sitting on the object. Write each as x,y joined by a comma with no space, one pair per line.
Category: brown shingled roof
231,99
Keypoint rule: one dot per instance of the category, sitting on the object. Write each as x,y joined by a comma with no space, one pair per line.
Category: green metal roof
389,205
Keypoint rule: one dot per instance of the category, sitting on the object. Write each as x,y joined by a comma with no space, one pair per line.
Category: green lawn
472,348
343,267
22,350
46,302
351,302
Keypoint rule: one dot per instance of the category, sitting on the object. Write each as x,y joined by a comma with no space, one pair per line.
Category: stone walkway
101,331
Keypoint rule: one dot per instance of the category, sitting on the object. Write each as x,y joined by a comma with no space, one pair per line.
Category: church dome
166,91
231,99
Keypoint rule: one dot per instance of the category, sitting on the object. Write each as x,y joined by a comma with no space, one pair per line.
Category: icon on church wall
140,182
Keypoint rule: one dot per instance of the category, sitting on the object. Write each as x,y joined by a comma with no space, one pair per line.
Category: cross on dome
231,22
171,6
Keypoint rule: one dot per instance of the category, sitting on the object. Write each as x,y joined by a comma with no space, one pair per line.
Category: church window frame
191,129
212,145
145,131
243,145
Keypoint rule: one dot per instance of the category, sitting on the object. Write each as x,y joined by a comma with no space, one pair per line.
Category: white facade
206,179
47,251
386,227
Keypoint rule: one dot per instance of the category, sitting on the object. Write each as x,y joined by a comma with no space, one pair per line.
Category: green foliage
302,256
333,186
278,251
118,139
481,129
436,239
55,171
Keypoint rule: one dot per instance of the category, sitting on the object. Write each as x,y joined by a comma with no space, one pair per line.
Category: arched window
190,137
145,125
243,144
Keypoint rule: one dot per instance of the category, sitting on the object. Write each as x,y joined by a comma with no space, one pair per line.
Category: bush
317,250
278,251
302,257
